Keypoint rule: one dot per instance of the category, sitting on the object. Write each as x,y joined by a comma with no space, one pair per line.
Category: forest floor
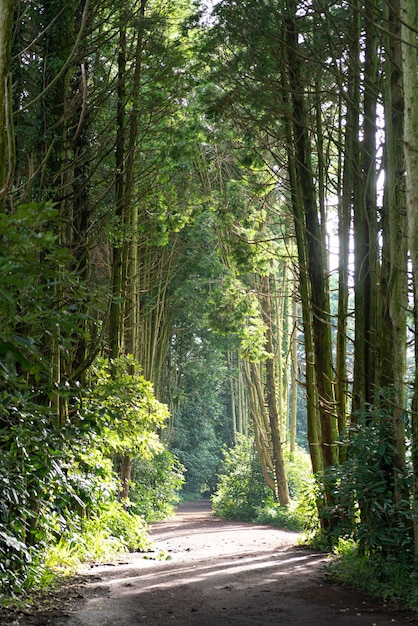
209,572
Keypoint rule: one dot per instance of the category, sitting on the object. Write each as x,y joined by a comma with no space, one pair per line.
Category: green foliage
122,405
199,452
37,297
156,483
298,472
235,310
242,493
289,517
241,488
63,487
365,508
200,420
110,532
32,480
387,579
309,497
127,528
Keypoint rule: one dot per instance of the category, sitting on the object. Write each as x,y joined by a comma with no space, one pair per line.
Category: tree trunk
262,435
116,315
294,383
365,234
350,173
315,254
271,393
410,83
6,120
313,421
394,282
125,479
233,392
131,205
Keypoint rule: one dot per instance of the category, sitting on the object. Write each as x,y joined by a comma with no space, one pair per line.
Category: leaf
6,297
15,544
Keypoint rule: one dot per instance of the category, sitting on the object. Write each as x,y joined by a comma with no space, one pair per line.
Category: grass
387,579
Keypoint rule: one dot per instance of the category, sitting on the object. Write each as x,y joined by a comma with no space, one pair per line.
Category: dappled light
206,571
265,568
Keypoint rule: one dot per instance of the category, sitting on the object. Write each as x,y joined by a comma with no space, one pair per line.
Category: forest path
222,573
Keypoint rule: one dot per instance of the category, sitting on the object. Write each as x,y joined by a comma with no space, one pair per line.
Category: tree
314,232
410,137
6,123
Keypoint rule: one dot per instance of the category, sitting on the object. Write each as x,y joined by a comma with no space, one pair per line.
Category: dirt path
222,573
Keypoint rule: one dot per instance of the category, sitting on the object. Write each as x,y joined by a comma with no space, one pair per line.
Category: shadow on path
222,573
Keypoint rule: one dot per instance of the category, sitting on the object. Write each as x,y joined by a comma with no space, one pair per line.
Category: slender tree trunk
125,478
313,421
243,408
350,173
394,281
131,205
294,384
81,202
6,120
120,256
365,234
116,317
281,334
233,392
261,425
409,20
271,392
315,256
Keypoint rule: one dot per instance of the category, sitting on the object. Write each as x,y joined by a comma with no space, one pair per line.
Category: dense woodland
209,235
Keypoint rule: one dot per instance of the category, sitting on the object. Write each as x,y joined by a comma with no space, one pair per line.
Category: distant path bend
222,573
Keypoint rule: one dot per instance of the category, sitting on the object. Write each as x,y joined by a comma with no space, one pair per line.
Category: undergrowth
101,538
385,578
98,539
242,493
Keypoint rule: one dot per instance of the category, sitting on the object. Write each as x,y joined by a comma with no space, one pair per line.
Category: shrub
241,488
365,507
156,485
111,532
243,494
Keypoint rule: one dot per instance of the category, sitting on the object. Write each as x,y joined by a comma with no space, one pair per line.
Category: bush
241,489
365,507
301,514
156,483
111,532
289,517
243,494
383,578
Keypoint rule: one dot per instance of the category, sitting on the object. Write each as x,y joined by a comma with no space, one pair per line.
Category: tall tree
408,17
6,119
394,280
316,259
365,230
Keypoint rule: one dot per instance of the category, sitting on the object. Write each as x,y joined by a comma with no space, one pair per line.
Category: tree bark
6,120
365,234
294,382
350,185
315,254
271,393
394,280
409,16
262,435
